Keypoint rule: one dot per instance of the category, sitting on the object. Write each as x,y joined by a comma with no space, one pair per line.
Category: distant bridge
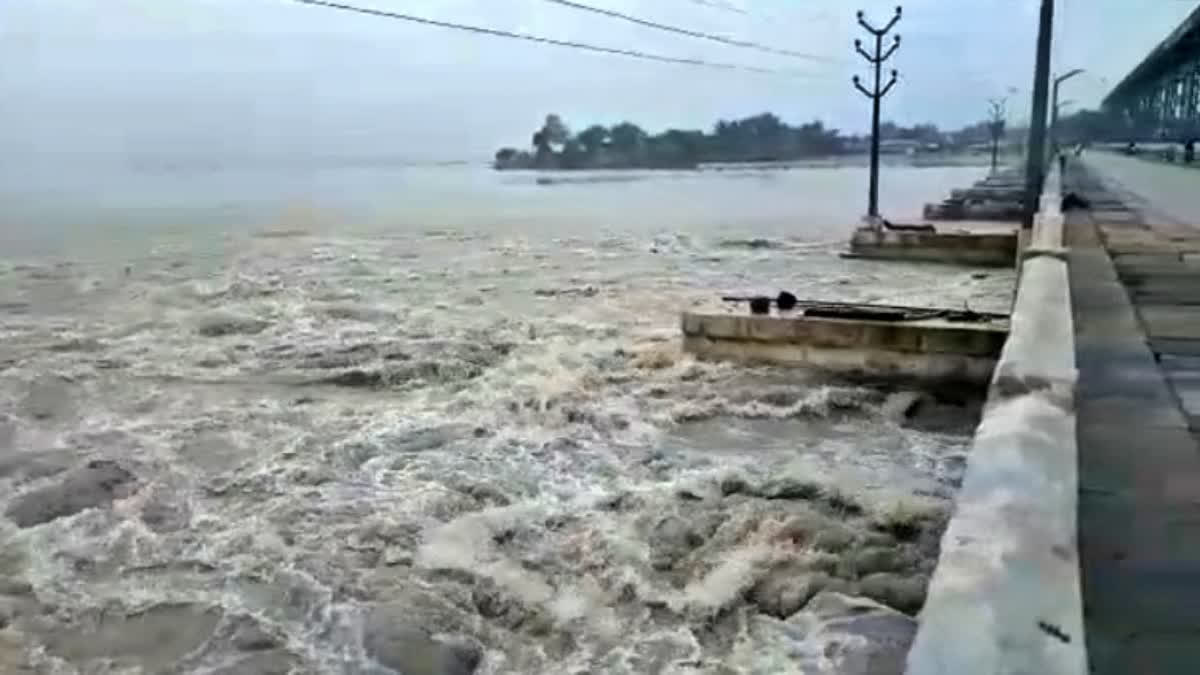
1160,98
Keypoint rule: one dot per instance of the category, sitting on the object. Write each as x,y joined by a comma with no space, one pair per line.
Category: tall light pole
996,120
876,95
1055,104
1035,160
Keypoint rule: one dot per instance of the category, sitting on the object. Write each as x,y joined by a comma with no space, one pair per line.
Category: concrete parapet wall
929,349
992,250
1005,597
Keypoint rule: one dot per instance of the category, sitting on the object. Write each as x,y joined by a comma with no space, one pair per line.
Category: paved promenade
1135,288
1163,193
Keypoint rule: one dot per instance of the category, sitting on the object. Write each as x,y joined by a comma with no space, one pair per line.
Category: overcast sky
199,78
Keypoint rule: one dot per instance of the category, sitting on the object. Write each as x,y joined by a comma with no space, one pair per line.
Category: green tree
593,138
627,137
677,147
553,133
755,138
574,155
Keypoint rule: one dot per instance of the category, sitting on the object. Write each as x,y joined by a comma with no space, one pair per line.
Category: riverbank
928,160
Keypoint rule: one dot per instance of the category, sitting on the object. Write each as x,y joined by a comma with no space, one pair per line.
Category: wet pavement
1135,287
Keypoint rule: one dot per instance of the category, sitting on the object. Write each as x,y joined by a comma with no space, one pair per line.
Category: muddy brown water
290,443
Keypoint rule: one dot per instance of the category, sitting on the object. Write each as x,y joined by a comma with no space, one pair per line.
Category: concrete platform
998,197
922,349
1138,351
958,210
986,193
962,247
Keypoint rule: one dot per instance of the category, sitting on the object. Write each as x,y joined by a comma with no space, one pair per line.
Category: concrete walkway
1159,191
1135,289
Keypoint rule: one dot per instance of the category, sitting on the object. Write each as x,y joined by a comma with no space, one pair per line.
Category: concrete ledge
987,193
872,363
992,250
1005,597
952,210
922,336
919,349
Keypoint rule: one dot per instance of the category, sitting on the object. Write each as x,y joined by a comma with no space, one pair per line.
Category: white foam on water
724,585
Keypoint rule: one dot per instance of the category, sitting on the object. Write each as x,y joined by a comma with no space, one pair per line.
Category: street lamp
1055,105
996,123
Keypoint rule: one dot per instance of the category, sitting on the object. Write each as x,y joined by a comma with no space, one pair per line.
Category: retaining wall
992,250
926,349
1005,596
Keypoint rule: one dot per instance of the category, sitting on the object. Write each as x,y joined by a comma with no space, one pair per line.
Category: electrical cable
482,30
690,33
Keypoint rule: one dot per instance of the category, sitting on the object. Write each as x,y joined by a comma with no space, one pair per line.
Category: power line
823,15
690,33
719,5
549,41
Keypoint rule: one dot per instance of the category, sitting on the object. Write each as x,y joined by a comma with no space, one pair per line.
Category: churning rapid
453,450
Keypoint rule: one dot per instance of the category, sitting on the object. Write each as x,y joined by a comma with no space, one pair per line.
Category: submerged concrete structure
926,348
995,200
999,197
962,247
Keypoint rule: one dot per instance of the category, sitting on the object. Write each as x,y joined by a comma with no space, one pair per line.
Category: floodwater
313,406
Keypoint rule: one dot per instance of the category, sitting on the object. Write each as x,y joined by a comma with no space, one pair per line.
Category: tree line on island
759,138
